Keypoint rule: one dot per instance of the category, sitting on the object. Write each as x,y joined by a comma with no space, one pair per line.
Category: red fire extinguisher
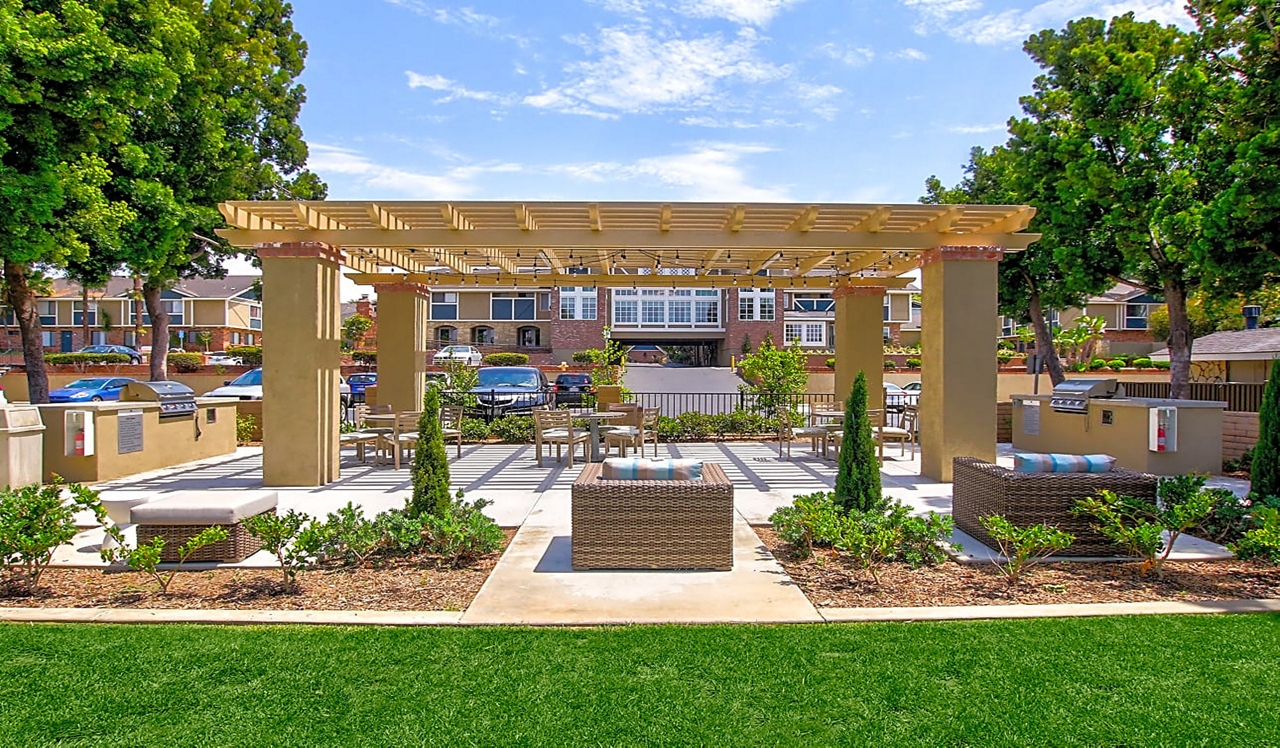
1160,435
79,443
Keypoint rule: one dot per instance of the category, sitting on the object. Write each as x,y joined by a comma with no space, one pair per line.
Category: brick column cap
390,287
300,250
846,290
949,254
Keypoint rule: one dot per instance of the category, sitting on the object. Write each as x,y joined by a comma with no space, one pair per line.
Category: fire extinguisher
79,443
1160,434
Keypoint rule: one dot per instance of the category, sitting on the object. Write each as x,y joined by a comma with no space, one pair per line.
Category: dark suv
507,390
574,389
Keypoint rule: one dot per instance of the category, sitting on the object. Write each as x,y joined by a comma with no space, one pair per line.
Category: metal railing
713,403
1239,396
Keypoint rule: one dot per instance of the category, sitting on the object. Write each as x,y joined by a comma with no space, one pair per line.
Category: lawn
1191,680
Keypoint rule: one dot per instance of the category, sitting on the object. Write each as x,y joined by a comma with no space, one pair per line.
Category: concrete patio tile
535,584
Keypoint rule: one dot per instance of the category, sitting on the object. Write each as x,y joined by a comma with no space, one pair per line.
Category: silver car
467,354
248,386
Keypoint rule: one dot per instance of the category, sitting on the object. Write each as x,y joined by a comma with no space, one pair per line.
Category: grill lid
175,398
1073,395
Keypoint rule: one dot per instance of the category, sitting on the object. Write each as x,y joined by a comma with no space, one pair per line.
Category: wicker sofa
652,524
980,489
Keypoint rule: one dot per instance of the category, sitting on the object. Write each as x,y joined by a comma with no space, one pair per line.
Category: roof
541,243
196,288
1262,344
1119,294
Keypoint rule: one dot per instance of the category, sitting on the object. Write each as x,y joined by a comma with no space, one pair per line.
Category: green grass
1192,680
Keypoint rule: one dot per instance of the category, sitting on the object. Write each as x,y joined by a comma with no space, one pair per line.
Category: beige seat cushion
893,431
204,508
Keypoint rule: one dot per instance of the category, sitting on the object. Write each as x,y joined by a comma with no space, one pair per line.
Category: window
136,308
77,313
805,333
248,338
255,317
528,337
1008,327
48,339
482,335
544,302
792,333
624,312
97,337
758,304
174,309
706,312
813,305
235,338
49,313
653,312
578,303
1135,316
815,334
444,306
679,312
886,308
512,306
131,338
888,338
446,335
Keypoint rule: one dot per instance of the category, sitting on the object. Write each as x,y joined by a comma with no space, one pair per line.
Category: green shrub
82,361
1005,345
474,430
462,533
1262,541
1116,364
831,362
669,429
1228,517
186,362
583,357
506,359
513,429
249,355
890,365
246,428
1142,362
1023,546
858,477
1162,365
694,425
430,472
35,520
913,363
146,558
1097,363
810,520
1004,355
366,357
348,535
1140,525
1264,473
284,536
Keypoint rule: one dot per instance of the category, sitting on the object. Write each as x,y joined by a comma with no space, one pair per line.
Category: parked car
467,354
507,390
573,389
134,356
358,383
248,386
895,398
90,389
913,392
221,358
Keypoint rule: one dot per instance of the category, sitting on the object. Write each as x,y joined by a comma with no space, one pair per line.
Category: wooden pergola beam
548,280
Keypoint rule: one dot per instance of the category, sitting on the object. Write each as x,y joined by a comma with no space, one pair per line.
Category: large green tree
1123,105
73,76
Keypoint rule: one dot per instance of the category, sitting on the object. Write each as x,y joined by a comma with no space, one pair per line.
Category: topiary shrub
186,362
858,479
583,357
430,472
506,359
890,366
1115,364
1142,363
249,355
1264,472
1161,365
831,362
913,363
1096,364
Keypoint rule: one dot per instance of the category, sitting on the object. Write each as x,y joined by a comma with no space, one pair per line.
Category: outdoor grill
176,400
1073,395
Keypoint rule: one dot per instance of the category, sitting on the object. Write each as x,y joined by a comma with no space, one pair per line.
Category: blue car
510,390
359,382
90,389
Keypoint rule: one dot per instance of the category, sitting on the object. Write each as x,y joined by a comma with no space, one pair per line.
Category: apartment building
229,309
1125,308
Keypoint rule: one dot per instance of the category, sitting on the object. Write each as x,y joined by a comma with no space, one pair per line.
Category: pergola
404,248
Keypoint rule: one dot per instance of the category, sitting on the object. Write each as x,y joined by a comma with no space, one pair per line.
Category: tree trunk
1044,340
1175,298
137,318
159,332
23,303
84,315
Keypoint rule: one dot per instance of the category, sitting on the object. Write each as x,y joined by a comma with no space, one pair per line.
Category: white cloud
455,89
636,71
709,171
960,19
909,53
452,16
853,56
976,129
456,182
747,12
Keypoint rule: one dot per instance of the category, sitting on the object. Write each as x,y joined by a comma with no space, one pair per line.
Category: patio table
593,421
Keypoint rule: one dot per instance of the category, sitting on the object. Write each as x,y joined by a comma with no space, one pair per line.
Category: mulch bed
831,583
419,582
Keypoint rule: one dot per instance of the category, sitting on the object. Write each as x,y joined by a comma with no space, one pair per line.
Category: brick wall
735,329
504,332
365,307
570,335
1239,433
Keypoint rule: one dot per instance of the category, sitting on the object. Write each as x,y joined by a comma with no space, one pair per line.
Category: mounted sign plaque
129,431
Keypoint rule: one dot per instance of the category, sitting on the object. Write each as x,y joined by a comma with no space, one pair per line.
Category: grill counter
1073,395
176,400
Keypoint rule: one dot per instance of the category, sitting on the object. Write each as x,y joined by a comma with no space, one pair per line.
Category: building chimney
1251,315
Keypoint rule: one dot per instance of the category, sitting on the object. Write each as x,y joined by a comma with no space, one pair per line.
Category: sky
719,100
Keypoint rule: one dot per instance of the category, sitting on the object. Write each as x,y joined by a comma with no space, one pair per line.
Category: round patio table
593,421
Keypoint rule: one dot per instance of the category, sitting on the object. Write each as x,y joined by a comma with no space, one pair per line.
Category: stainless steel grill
1073,395
176,400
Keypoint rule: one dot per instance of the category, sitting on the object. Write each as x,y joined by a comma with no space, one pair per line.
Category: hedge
186,362
249,355
582,357
85,359
506,359
364,357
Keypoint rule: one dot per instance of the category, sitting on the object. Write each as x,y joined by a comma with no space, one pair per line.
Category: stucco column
860,340
403,309
300,366
958,373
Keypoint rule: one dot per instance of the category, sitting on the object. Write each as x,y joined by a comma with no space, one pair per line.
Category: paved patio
534,583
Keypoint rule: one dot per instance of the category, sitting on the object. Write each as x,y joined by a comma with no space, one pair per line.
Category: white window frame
757,305
1144,317
578,303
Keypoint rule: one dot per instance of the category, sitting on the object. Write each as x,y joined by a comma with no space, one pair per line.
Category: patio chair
403,437
821,419
361,437
899,435
556,427
628,433
451,424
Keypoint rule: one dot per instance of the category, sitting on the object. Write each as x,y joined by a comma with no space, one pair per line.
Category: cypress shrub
430,463
1264,474
858,479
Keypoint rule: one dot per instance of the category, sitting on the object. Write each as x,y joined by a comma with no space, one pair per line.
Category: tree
1123,105
430,463
204,338
1264,474
354,328
73,76
774,375
858,476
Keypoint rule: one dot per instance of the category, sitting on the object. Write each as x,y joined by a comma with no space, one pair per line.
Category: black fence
1239,396
713,403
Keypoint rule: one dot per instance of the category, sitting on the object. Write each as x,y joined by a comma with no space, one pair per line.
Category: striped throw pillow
638,468
1030,462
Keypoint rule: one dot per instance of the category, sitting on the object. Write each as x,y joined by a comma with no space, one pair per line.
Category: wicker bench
182,516
653,524
980,489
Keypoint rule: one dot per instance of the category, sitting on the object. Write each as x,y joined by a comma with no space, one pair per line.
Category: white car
248,386
467,354
220,358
